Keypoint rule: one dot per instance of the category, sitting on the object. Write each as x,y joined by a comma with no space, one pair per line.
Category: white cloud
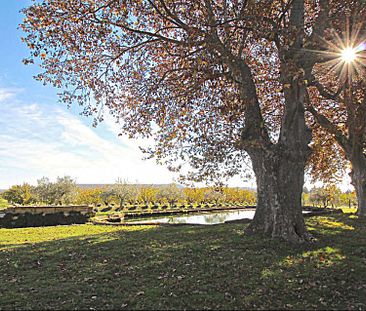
43,140
8,93
46,140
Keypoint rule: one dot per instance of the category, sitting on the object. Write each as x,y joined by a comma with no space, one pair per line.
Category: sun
344,54
346,57
349,55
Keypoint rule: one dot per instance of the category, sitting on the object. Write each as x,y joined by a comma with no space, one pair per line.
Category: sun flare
349,55
346,57
344,53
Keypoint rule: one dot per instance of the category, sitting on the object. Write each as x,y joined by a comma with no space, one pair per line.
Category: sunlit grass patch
10,238
318,258
327,225
348,210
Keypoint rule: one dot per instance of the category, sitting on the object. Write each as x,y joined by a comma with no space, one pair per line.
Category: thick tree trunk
279,169
358,176
280,180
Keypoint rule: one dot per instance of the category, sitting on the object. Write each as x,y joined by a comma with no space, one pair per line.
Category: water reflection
202,219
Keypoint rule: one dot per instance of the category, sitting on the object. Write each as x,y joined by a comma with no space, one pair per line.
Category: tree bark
358,177
279,170
280,179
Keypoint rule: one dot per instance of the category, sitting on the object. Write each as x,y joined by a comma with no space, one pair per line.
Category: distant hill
88,186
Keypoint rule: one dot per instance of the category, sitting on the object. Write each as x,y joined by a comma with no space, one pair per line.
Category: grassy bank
194,267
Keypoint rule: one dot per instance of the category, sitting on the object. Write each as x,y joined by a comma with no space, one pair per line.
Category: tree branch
324,122
326,93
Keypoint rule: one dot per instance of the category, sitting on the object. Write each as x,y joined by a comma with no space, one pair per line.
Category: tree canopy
170,69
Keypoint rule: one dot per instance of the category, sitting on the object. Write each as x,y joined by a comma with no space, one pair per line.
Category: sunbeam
345,55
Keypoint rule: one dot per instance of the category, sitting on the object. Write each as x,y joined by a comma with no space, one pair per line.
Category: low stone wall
37,216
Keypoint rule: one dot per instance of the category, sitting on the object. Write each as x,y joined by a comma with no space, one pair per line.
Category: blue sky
41,137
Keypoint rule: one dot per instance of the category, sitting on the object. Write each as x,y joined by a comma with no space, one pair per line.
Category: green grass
192,267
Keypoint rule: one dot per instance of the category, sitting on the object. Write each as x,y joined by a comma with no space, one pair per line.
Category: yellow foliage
89,196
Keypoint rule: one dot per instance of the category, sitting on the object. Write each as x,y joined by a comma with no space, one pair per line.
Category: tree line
65,191
329,196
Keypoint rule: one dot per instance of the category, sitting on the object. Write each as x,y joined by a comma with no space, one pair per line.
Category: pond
209,218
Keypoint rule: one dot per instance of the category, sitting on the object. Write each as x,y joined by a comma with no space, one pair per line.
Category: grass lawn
193,267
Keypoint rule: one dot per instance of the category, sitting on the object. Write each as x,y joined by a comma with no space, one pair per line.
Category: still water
210,218
202,219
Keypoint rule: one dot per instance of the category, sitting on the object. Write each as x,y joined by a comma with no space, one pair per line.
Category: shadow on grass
193,267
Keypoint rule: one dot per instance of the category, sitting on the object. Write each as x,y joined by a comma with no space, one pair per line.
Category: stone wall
36,216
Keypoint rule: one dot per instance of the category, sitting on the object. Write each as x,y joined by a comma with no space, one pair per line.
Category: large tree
212,81
338,94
